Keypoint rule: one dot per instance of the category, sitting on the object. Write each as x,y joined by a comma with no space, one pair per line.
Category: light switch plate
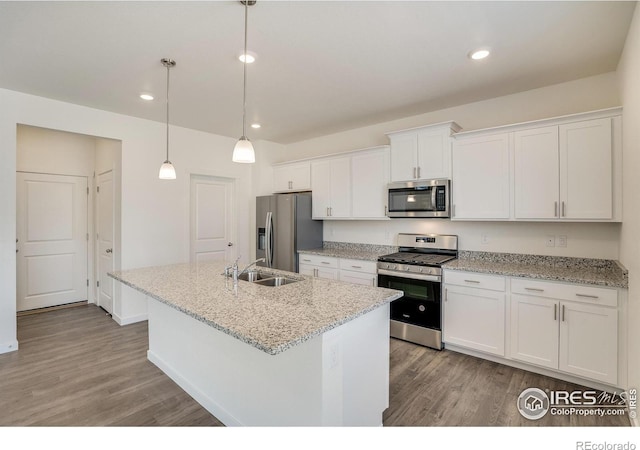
562,241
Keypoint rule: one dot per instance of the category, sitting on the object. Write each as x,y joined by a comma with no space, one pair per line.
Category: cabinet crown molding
455,128
539,123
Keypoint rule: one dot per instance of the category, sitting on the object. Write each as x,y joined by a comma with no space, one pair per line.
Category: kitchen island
309,353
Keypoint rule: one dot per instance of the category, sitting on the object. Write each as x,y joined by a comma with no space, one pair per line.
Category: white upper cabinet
586,170
293,177
480,185
562,169
422,153
369,179
331,188
537,170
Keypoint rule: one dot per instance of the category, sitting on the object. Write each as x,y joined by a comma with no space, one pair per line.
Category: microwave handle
433,198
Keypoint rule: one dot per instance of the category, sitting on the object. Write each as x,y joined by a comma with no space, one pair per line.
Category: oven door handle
410,276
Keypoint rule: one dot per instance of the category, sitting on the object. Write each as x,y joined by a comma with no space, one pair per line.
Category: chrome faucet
253,263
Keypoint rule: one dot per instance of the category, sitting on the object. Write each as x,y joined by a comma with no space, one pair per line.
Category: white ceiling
322,67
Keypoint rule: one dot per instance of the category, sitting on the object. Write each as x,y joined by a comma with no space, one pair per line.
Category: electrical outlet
551,241
484,238
562,241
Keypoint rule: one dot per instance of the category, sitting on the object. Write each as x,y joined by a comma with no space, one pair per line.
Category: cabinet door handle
327,214
306,260
357,267
315,273
472,281
555,209
385,210
324,262
563,313
418,171
331,211
563,210
414,173
555,312
446,295
534,289
290,184
587,296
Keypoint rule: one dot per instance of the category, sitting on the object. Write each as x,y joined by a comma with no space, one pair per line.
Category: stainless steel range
415,270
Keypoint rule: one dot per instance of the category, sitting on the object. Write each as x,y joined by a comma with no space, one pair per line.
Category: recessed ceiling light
146,97
479,54
255,125
249,57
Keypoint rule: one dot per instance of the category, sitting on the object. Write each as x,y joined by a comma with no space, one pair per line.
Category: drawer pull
587,296
534,289
306,260
357,267
563,313
324,262
471,281
555,312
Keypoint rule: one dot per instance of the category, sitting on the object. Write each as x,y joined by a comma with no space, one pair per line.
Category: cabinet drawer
317,260
477,280
572,292
366,279
358,265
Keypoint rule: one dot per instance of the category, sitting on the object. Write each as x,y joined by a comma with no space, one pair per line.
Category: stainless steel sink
253,276
276,281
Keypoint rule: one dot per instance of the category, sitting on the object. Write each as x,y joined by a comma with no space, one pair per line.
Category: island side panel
356,370
338,378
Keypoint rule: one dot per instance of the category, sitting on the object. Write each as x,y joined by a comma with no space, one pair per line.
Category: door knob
230,244
109,250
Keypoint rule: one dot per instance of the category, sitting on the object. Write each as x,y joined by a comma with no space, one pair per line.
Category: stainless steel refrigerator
284,226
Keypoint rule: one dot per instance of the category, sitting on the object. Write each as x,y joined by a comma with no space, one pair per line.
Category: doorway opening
67,219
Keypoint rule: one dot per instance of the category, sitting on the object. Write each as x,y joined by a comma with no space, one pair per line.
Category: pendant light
243,151
167,171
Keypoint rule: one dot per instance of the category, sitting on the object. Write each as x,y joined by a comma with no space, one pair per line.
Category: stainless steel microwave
423,198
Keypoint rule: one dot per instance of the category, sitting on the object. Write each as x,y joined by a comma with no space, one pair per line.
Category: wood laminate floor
77,367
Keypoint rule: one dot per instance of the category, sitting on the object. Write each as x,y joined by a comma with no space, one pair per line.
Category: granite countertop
597,272
271,319
347,250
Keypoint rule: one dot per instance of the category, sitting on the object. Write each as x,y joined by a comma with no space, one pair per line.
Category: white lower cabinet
474,317
568,328
349,270
318,266
358,272
589,341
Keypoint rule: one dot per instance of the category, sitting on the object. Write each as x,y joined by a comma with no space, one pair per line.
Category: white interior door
104,236
51,240
211,218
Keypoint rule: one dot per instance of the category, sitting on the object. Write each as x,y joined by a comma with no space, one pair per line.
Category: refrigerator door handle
267,239
270,239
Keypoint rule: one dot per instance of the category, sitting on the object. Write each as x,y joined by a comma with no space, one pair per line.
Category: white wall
583,240
629,72
586,94
155,228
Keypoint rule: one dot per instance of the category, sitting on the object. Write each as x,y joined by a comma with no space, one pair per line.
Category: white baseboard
206,402
129,320
9,347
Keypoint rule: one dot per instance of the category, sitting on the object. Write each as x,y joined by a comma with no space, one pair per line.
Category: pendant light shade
243,151
167,171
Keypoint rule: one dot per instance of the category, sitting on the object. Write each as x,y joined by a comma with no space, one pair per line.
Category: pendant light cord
244,87
168,66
